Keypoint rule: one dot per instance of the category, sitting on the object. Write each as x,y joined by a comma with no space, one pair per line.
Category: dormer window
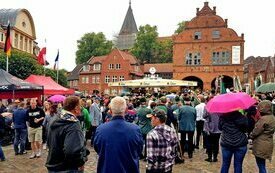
86,68
97,67
197,35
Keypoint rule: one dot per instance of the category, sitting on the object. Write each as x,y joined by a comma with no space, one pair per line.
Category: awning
13,87
50,86
152,83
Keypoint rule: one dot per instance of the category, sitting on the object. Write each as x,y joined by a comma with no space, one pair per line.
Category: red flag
42,56
7,48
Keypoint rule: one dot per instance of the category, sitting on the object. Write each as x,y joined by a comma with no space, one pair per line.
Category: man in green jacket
85,117
143,122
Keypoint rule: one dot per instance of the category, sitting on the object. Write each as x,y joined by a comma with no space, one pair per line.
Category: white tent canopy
152,83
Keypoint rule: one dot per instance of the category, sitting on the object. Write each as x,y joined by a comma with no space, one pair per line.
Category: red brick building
258,68
206,49
99,71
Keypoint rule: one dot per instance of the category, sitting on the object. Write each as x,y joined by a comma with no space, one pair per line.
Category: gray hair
118,106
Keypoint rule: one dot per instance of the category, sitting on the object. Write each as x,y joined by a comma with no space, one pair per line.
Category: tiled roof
129,25
75,73
258,63
160,68
128,56
96,59
8,15
164,38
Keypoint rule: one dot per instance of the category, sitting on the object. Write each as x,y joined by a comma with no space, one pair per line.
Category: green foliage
21,64
92,44
181,27
146,43
164,52
148,49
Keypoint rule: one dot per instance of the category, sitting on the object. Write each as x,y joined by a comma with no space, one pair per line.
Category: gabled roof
74,75
96,59
129,25
127,56
160,68
259,63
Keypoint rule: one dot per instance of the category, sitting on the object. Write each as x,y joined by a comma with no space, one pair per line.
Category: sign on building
236,54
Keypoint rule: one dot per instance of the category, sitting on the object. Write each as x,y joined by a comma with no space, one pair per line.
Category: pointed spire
129,25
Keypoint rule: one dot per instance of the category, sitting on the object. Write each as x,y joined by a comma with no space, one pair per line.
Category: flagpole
7,67
44,58
57,71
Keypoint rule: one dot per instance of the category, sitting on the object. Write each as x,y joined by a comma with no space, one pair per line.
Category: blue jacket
119,145
20,118
187,118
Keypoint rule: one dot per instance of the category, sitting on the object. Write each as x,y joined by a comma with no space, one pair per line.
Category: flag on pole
7,48
42,56
56,61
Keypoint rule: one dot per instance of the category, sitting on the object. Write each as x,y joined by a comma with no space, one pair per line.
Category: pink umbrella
57,98
230,102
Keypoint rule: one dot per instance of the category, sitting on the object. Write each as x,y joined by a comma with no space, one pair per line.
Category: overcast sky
63,22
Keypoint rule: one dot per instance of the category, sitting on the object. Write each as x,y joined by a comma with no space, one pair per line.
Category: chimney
205,4
214,9
225,21
198,10
242,35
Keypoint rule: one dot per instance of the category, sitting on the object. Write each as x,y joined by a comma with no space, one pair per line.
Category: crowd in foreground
122,130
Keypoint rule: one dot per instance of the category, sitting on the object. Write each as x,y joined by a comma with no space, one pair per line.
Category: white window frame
111,66
97,67
86,68
118,66
97,79
121,78
107,79
93,79
114,79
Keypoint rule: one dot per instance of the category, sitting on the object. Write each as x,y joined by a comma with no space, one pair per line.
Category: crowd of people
158,128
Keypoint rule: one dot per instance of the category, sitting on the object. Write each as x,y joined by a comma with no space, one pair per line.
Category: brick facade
99,71
203,51
258,66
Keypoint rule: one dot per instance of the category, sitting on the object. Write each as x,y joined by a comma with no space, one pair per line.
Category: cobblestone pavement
22,163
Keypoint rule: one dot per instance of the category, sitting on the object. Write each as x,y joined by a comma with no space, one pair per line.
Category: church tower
127,35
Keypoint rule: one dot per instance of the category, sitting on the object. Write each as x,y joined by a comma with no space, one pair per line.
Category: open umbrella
230,102
57,98
266,88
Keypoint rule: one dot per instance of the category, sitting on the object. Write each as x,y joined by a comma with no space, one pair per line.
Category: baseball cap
157,113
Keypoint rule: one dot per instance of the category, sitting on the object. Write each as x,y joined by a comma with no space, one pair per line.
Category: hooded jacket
262,135
66,143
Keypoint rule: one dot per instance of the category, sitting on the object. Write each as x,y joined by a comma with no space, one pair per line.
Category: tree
62,76
92,44
146,43
181,27
21,64
148,49
164,52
